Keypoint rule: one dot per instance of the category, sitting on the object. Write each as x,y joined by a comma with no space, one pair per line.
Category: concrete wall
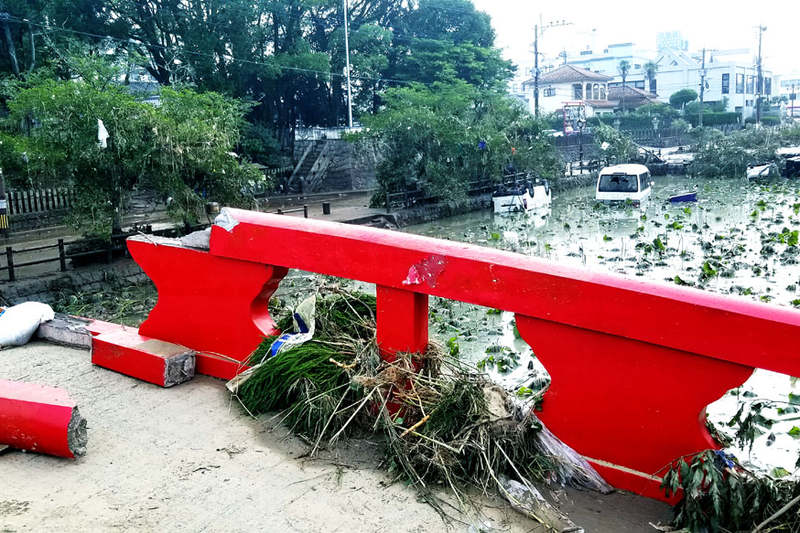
88,280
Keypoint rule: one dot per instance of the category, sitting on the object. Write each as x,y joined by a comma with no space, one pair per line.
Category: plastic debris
20,322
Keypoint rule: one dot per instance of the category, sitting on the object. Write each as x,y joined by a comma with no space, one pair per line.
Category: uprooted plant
441,421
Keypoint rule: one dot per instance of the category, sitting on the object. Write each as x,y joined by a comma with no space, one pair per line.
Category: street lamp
655,130
581,124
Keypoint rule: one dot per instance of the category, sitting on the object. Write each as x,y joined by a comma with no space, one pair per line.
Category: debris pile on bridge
442,422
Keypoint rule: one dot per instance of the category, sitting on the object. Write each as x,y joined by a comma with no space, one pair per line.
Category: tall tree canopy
288,56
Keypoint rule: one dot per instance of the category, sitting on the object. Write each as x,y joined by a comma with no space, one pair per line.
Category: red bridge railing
633,364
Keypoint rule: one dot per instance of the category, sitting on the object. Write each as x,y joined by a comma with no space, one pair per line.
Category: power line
202,54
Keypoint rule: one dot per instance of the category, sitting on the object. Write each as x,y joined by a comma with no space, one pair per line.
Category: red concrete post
40,419
215,306
125,351
629,407
402,321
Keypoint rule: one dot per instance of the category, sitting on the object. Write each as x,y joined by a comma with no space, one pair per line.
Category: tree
650,69
624,68
680,98
180,148
440,138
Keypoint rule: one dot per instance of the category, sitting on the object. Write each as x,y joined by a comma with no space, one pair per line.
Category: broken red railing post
213,305
40,419
633,364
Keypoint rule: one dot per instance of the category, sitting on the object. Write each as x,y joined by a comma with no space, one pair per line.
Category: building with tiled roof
569,83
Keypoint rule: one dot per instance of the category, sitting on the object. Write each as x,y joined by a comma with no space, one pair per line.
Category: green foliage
618,146
719,495
680,98
181,148
727,155
440,138
714,118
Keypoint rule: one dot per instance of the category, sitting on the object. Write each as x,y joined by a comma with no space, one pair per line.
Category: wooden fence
38,200
13,265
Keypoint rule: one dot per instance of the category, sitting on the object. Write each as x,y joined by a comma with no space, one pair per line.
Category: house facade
569,84
730,75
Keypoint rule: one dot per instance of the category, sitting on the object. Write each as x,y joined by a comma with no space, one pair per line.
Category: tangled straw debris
442,422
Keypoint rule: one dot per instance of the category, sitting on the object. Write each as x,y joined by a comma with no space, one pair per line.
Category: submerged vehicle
623,183
765,170
521,195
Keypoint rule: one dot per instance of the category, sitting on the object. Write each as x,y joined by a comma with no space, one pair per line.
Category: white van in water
620,183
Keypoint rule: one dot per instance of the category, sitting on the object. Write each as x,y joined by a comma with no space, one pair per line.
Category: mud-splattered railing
633,364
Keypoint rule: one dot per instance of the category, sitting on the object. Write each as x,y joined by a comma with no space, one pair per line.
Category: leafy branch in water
719,495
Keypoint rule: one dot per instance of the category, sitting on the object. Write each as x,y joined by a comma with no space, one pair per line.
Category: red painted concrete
683,318
207,303
127,352
35,417
627,402
633,363
402,321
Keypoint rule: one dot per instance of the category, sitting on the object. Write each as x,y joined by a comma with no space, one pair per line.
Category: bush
766,121
715,119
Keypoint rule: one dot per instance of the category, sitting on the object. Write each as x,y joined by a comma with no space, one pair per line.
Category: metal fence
411,197
317,134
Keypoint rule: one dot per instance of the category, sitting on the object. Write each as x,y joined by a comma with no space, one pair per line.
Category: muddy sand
188,459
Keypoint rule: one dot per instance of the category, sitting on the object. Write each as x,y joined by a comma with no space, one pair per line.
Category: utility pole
702,88
536,70
536,29
760,80
347,69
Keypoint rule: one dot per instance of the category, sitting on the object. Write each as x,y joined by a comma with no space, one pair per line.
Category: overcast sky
704,23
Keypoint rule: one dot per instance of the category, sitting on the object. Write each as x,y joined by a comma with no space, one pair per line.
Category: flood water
739,238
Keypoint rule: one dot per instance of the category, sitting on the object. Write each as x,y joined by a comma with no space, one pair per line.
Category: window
726,83
549,91
768,86
639,84
653,85
618,183
644,181
596,91
602,92
751,85
577,91
739,83
637,66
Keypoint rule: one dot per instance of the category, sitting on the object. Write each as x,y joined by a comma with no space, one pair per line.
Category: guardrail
633,364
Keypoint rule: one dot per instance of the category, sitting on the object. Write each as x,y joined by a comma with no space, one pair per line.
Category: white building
572,84
729,74
606,61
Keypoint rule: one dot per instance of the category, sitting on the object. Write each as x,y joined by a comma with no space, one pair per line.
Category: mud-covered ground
189,459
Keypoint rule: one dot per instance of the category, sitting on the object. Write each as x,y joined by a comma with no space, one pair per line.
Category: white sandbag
19,323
